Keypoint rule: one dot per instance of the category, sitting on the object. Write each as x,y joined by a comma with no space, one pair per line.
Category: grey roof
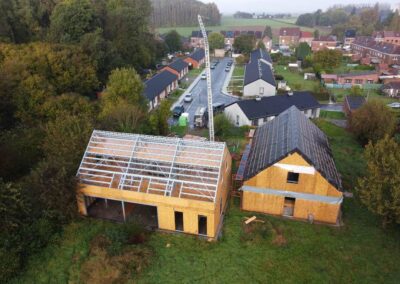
158,83
274,105
355,102
178,65
260,54
356,74
256,70
383,47
291,132
198,54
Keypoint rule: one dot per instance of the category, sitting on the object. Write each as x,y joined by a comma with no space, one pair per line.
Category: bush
119,236
372,122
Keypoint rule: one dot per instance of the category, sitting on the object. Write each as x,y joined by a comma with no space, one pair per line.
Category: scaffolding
156,165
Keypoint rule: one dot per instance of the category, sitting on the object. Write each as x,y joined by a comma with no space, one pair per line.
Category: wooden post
123,210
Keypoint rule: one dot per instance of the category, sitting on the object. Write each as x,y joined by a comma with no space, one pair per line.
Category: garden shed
175,184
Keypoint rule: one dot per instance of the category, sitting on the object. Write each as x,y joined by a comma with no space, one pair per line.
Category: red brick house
376,52
307,37
387,37
196,59
179,67
289,36
323,42
159,87
369,77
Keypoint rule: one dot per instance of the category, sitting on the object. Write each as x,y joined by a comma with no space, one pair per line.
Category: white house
256,112
259,78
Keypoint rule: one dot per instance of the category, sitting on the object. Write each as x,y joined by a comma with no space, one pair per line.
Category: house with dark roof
349,36
259,78
369,50
259,111
289,36
196,58
289,171
392,89
159,87
323,42
178,67
352,103
197,40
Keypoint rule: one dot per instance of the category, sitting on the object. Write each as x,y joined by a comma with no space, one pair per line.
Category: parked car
227,69
203,76
178,110
212,66
188,98
394,105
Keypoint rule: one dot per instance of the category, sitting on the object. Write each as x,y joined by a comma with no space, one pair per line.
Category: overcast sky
287,6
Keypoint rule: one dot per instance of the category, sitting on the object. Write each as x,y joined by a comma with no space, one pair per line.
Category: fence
349,86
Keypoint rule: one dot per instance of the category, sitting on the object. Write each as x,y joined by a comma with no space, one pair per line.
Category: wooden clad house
169,184
290,171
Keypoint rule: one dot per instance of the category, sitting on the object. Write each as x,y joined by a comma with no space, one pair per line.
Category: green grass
359,252
236,83
228,22
295,79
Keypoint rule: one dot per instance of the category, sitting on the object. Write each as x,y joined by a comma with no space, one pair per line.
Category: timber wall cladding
276,178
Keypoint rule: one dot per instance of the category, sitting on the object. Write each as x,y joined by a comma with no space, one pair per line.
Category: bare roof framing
150,164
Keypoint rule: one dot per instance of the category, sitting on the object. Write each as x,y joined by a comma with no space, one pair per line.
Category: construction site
170,184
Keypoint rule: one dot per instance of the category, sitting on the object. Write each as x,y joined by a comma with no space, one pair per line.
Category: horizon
228,7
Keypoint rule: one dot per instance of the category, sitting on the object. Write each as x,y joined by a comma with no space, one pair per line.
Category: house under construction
171,184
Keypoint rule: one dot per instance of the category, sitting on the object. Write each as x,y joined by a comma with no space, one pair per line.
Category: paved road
199,92
332,107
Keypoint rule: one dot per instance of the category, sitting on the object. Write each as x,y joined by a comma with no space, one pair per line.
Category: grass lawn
236,83
371,94
278,251
229,22
295,79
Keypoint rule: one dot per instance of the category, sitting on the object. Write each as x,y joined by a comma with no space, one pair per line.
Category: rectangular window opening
179,221
202,225
293,177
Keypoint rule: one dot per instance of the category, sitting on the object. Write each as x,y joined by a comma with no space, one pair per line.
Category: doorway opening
179,221
202,225
288,207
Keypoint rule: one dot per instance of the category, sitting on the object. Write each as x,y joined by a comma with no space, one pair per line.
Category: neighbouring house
170,184
323,42
289,36
197,40
179,67
351,79
371,51
259,78
159,87
290,171
267,42
387,37
229,38
256,112
196,58
392,89
349,37
352,103
306,37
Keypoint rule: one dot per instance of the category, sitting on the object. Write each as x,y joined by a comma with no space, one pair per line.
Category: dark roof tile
158,83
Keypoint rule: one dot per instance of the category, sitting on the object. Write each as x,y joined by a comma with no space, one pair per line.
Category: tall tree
372,122
268,31
244,43
72,19
173,41
379,189
216,41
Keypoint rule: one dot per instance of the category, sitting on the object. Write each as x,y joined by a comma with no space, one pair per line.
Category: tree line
365,19
66,67
176,13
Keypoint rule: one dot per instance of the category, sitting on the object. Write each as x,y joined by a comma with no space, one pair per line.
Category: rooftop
291,132
355,102
175,167
273,106
198,54
158,83
290,32
179,65
369,42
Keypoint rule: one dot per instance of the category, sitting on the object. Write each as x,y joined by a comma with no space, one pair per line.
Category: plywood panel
276,178
264,203
166,218
322,212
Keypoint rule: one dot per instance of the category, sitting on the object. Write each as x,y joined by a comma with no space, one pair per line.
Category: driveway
199,92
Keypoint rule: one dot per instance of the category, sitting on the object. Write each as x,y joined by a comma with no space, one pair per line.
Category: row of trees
55,56
365,19
379,190
175,13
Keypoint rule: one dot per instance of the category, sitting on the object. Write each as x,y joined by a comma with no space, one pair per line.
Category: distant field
229,22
